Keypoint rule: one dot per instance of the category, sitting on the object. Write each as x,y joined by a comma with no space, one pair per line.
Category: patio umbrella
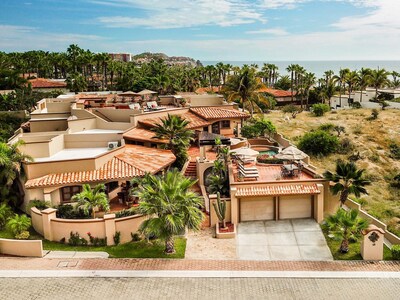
291,153
245,152
146,92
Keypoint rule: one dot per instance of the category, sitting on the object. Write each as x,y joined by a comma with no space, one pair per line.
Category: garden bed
225,233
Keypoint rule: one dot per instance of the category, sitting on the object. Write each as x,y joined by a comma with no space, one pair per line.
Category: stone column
109,228
372,243
47,215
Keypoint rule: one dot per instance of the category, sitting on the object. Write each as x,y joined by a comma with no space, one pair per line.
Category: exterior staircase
191,170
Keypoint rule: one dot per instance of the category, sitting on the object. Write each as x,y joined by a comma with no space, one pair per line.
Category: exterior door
295,207
256,209
216,128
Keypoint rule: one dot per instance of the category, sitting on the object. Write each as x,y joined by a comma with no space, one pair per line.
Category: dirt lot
371,139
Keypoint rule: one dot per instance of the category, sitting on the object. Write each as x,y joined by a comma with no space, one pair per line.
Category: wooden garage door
253,209
295,207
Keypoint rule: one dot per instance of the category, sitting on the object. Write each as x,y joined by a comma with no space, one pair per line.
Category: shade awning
208,139
245,152
291,153
146,92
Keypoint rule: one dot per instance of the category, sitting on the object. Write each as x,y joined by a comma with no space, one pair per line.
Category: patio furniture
248,172
290,169
152,105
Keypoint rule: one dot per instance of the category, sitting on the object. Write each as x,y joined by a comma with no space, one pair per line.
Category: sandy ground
202,245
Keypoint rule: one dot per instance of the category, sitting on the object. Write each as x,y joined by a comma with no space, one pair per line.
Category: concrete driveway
298,239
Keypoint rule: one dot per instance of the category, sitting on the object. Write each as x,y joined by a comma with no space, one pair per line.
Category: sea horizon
318,67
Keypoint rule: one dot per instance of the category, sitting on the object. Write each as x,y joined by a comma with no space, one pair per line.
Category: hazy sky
208,29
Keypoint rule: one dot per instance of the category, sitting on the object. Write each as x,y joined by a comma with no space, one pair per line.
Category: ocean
319,67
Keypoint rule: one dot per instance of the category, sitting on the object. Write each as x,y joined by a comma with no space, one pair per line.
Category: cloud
269,31
281,4
160,14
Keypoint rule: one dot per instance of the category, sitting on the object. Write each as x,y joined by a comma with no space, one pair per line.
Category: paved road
198,288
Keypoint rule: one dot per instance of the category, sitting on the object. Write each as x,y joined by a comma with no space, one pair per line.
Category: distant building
125,57
48,85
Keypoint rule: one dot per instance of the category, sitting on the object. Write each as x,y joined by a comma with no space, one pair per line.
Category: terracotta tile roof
134,161
204,90
211,113
141,134
45,83
276,93
275,189
194,121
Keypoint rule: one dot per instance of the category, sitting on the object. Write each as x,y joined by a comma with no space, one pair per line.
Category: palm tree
351,79
245,87
11,159
348,180
396,82
364,77
169,205
341,80
328,75
345,225
309,81
18,224
89,200
174,129
379,79
291,68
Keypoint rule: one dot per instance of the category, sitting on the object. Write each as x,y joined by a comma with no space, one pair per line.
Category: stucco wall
204,100
48,125
29,248
37,223
82,124
61,228
127,226
91,140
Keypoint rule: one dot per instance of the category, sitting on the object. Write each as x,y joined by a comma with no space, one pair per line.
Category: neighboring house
344,100
48,85
282,97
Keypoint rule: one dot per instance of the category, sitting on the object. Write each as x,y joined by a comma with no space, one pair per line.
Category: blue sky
208,29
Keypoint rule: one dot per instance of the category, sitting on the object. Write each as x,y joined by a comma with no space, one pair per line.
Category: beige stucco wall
32,194
56,107
91,140
37,222
115,115
37,149
372,250
127,225
28,248
48,125
204,100
82,124
61,228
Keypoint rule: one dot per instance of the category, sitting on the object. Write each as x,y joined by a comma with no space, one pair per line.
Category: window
110,186
68,191
225,124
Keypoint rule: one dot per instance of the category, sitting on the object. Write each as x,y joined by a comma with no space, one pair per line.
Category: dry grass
371,139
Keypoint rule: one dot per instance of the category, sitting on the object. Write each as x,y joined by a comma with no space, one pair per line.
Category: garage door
295,207
254,209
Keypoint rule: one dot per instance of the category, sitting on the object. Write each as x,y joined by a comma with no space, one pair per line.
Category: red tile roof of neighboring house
141,134
134,161
275,189
194,121
276,93
46,83
211,113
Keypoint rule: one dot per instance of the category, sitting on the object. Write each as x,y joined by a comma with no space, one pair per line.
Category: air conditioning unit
112,145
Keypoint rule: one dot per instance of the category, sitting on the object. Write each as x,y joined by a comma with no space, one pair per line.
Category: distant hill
169,60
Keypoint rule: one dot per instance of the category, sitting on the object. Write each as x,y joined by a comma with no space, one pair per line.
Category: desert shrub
117,237
394,149
339,129
345,146
320,109
318,143
395,252
39,204
76,240
266,159
374,157
356,105
258,128
374,115
357,129
395,181
67,211
355,156
18,224
125,213
135,237
326,127
291,109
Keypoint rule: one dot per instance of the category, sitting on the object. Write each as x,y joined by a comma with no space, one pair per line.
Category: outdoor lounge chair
249,174
152,105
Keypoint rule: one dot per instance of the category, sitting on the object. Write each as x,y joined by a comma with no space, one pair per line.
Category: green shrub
320,109
258,128
266,159
395,181
18,224
356,105
125,213
135,237
395,252
76,240
5,213
67,211
24,235
39,204
345,146
95,241
117,237
318,143
374,115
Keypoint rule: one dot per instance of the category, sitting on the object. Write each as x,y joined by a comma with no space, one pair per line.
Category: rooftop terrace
73,153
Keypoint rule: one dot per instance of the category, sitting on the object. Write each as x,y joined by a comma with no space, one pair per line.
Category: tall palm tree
345,225
340,79
170,206
351,79
90,199
245,86
348,180
291,68
328,75
379,79
174,129
364,77
309,81
396,82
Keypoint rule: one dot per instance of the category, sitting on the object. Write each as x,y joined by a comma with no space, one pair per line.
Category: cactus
220,210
